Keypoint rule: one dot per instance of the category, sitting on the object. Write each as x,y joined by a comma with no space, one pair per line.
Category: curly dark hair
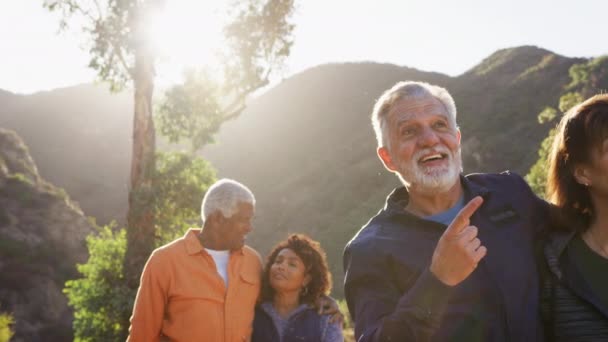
315,262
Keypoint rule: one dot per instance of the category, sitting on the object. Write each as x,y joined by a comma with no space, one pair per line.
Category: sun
186,34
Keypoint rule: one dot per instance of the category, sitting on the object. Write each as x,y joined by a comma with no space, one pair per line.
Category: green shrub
537,176
180,182
6,331
348,322
101,300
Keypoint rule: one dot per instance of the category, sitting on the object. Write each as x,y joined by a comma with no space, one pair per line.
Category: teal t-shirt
592,266
446,217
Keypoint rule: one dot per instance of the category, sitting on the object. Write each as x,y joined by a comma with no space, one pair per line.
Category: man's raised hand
458,250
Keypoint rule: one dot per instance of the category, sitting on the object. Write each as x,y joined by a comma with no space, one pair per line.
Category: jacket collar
398,199
554,246
558,241
566,270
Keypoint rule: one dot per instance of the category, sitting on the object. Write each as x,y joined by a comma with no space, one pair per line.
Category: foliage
20,177
590,77
547,115
348,326
6,331
101,300
180,182
115,31
191,110
569,100
545,62
259,39
537,176
586,79
348,322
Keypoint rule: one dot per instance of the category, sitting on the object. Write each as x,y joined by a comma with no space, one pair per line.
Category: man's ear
458,136
387,160
216,217
581,175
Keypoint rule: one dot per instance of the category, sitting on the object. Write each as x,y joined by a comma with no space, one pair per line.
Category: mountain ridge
305,146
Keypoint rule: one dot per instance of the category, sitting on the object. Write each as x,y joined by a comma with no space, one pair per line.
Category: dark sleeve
540,210
546,297
543,215
383,312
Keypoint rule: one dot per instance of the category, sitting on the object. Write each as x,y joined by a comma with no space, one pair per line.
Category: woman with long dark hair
575,292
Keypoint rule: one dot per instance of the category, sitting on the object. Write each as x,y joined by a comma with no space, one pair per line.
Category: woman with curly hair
295,277
575,291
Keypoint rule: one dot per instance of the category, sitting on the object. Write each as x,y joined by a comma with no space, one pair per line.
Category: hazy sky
445,36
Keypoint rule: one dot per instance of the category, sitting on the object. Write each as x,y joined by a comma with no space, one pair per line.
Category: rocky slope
42,235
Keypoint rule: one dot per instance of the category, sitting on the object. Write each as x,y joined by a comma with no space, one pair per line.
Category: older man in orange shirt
204,285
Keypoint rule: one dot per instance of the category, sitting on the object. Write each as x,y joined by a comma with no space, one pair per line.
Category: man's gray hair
407,90
225,196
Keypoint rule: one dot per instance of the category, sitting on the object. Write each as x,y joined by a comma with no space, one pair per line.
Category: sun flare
186,34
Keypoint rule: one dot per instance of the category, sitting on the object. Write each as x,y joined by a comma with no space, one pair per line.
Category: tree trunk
140,216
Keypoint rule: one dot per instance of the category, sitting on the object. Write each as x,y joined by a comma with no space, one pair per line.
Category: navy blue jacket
305,326
392,295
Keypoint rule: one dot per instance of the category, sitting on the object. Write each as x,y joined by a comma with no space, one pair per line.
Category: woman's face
595,173
288,272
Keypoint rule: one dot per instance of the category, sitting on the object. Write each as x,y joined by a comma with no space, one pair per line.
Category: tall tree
259,39
122,55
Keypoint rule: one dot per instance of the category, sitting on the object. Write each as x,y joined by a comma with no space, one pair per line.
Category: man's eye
407,131
441,124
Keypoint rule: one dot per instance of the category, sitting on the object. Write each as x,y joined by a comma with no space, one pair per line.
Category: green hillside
305,147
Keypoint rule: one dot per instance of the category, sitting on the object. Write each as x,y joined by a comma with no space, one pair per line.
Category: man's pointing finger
461,221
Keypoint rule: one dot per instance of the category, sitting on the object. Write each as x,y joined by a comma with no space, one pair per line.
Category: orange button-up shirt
182,297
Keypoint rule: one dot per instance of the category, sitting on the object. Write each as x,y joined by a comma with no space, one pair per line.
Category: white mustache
439,149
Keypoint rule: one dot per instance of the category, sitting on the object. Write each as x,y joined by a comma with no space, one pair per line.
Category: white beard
431,179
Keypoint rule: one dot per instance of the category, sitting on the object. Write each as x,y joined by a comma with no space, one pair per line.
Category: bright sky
444,36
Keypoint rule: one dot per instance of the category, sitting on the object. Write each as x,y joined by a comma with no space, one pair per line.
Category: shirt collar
193,245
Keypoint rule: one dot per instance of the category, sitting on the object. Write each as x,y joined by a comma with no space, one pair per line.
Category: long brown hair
582,129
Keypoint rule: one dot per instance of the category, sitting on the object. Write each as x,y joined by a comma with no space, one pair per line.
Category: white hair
225,196
407,90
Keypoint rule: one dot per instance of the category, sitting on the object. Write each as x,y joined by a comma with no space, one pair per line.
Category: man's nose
428,137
